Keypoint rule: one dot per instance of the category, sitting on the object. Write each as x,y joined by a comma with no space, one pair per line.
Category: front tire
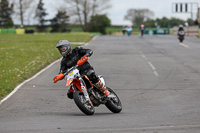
85,106
114,104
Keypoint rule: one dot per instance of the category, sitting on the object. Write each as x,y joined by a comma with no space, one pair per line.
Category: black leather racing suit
72,59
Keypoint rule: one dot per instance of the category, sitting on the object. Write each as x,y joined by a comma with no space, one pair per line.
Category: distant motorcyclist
142,29
181,33
70,59
124,30
129,30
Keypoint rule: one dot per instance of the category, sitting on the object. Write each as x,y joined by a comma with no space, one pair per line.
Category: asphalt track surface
156,78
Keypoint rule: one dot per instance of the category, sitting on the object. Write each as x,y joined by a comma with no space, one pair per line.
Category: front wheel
84,105
114,103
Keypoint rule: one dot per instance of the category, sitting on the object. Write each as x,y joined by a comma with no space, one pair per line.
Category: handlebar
79,63
69,70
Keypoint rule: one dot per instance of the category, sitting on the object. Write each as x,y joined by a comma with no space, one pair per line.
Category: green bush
99,23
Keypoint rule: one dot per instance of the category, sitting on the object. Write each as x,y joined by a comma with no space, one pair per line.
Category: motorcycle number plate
71,76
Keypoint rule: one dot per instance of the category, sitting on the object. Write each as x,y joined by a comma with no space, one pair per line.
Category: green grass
24,55
199,32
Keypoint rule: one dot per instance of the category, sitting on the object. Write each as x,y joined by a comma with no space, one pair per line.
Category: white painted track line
18,86
150,64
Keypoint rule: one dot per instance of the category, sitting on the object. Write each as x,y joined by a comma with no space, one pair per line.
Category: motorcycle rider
70,59
181,33
129,30
142,29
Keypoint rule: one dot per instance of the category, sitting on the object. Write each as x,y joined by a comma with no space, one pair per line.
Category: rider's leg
103,89
95,79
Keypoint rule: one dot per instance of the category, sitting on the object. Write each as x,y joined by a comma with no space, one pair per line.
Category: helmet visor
63,50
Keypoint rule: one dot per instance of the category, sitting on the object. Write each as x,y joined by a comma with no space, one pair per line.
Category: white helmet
180,26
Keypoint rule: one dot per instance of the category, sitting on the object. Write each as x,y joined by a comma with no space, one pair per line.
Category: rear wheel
114,103
84,105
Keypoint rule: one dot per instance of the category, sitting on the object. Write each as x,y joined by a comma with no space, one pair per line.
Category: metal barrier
156,31
189,31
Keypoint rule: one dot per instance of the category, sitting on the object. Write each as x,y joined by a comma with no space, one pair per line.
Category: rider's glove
82,60
57,78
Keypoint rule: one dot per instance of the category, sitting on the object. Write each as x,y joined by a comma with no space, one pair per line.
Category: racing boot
103,89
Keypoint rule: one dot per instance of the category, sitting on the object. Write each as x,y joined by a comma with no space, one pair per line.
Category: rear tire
82,104
114,104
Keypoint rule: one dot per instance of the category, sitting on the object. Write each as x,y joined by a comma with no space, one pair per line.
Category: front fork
84,89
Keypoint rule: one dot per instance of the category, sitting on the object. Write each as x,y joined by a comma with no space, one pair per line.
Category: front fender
76,82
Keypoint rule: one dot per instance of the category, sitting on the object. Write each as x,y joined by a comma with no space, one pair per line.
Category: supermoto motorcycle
181,35
87,96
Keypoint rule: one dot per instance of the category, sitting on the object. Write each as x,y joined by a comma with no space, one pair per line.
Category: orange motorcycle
85,94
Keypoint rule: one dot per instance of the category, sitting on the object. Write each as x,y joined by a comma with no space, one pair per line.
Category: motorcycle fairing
76,82
71,76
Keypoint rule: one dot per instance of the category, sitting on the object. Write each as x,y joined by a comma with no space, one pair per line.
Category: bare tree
138,16
21,7
84,9
40,15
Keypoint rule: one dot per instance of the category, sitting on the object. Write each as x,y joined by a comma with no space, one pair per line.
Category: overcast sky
119,9
160,8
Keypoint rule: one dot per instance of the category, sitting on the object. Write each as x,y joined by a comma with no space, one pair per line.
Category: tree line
145,16
85,13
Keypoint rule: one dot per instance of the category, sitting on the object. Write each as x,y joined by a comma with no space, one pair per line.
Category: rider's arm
85,52
178,33
60,75
63,67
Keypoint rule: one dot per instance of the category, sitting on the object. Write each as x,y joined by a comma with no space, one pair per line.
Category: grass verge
21,56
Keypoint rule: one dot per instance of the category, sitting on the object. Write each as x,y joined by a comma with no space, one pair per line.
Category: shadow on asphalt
76,114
